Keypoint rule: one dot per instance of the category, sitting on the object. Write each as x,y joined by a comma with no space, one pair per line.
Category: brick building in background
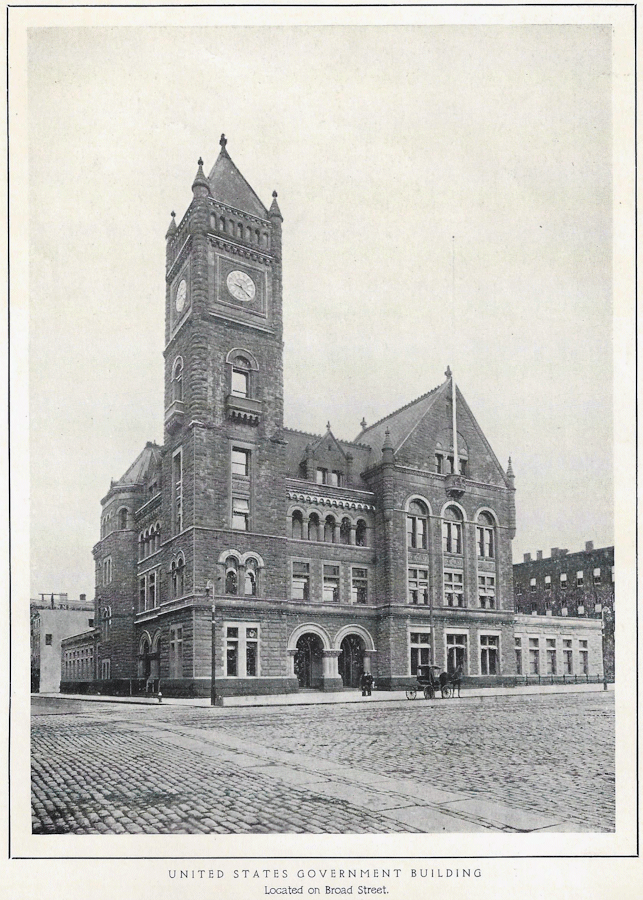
299,560
570,585
54,617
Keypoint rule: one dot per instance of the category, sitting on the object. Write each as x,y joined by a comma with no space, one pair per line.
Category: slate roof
228,185
148,460
401,422
296,450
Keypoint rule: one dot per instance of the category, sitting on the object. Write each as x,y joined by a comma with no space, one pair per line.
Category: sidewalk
313,698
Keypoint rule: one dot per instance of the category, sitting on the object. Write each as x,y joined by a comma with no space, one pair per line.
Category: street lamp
213,676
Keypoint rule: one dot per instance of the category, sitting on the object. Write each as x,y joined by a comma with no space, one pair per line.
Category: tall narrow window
250,578
420,650
416,525
452,531
360,533
122,520
548,582
151,590
518,646
359,586
568,660
177,379
141,594
439,463
345,531
232,651
240,514
597,576
563,581
231,576
252,644
240,385
579,578
300,580
177,480
176,651
419,587
313,527
534,656
321,476
453,588
240,461
550,649
485,536
329,530
489,654
297,525
583,655
487,591
331,584
456,651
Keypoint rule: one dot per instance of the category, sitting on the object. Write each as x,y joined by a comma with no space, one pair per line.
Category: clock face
181,295
241,286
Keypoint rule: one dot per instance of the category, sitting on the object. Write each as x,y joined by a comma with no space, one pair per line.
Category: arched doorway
351,660
309,661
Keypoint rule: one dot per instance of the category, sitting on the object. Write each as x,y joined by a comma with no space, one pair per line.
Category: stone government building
299,560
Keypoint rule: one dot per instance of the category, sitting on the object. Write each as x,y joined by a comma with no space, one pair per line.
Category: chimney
589,546
564,552
527,557
554,552
83,598
539,554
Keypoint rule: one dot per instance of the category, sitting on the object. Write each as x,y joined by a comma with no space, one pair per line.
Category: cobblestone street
382,768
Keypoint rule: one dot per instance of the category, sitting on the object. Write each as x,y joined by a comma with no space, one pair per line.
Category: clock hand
243,289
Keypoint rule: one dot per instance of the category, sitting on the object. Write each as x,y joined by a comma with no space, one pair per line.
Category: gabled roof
148,460
228,185
400,423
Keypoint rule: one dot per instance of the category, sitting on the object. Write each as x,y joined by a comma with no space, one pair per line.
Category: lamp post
213,676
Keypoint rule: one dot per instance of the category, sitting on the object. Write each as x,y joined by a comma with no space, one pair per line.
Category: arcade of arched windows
250,232
149,541
329,529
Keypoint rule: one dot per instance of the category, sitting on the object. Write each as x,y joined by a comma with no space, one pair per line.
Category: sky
447,200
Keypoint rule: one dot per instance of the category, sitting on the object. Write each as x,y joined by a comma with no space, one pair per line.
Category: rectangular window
579,579
485,542
563,580
532,585
239,383
141,594
359,586
568,662
489,645
107,570
105,669
518,646
331,584
548,582
597,576
534,656
240,514
420,645
439,463
321,476
419,587
232,651
49,640
252,652
300,581
242,651
177,496
463,467
151,590
240,461
487,591
550,645
612,574
456,651
453,588
583,654
416,532
452,537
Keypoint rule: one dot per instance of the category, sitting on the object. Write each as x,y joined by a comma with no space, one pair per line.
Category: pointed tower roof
228,185
399,424
148,459
200,181
172,226
274,207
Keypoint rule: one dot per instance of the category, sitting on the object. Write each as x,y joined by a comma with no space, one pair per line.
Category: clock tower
223,460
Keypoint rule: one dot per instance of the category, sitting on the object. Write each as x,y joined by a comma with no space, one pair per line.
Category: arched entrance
351,660
309,661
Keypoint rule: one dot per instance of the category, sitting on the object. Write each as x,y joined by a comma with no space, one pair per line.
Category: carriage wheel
429,693
411,694
447,691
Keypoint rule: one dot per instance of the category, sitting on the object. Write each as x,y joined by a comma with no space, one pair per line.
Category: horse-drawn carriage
429,682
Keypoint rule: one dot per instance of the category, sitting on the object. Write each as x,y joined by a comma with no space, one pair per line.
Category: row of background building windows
596,578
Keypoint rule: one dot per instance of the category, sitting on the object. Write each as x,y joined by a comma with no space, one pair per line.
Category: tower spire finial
223,140
448,372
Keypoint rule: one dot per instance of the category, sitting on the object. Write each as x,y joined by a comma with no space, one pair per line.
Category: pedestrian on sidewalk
366,684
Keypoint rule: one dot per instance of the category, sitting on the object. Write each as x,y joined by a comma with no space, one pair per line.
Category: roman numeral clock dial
241,286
